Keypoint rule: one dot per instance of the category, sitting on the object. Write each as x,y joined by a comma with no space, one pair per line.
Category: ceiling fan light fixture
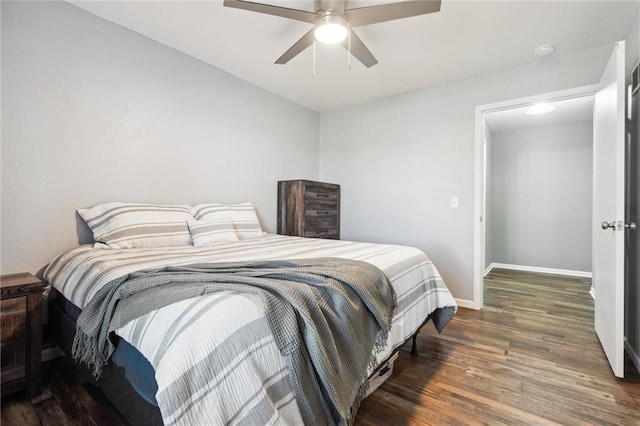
333,22
331,29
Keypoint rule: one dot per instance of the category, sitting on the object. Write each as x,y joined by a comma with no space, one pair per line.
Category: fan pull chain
314,59
349,50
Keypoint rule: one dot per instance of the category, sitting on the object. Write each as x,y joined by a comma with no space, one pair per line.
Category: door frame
479,208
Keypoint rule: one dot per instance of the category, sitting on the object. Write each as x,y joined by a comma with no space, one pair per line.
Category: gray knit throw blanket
330,317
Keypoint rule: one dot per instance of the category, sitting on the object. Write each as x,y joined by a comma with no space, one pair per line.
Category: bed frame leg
414,345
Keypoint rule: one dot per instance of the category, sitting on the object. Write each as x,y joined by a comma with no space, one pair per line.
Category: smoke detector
543,51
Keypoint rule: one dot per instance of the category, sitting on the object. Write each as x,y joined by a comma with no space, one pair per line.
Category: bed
213,359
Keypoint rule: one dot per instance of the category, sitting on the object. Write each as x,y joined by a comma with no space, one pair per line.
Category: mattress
136,368
254,381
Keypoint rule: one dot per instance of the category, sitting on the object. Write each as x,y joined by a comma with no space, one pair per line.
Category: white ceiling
565,111
464,39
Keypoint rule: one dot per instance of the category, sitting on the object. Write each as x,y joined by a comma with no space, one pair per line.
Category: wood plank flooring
529,357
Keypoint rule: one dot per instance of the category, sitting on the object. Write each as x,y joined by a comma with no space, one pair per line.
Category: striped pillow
243,215
129,225
209,232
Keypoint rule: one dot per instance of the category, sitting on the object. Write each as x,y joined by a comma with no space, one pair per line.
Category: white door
608,209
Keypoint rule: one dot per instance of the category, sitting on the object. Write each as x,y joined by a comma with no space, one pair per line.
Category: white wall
542,196
400,159
93,112
488,201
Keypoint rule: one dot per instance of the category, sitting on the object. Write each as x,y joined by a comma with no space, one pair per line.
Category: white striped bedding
193,345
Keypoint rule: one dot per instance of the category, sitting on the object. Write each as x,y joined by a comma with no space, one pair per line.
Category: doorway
539,187
609,136
482,205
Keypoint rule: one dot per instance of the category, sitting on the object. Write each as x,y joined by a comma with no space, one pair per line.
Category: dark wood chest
21,325
309,209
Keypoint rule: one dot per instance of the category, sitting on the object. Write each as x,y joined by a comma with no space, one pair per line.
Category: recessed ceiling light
544,50
541,108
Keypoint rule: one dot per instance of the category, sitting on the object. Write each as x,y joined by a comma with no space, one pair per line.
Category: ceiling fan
333,23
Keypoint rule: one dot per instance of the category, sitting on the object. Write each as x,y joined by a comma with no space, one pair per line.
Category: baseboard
538,269
488,269
469,304
592,292
632,354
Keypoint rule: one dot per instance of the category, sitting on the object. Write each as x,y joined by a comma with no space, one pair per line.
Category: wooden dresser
309,209
21,319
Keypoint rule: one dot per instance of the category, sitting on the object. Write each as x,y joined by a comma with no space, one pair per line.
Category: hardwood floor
529,357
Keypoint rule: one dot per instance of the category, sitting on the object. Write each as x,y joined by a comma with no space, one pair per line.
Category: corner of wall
632,40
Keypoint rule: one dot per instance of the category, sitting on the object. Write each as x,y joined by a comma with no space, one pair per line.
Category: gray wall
93,112
542,196
400,159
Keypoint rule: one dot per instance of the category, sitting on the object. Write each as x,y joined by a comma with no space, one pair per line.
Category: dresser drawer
21,326
320,210
13,317
320,217
322,222
321,233
320,193
13,360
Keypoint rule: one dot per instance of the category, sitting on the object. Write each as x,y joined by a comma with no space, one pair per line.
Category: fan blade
298,47
390,12
298,15
360,51
335,6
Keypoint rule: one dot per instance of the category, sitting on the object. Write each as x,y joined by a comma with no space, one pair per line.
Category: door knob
630,226
608,225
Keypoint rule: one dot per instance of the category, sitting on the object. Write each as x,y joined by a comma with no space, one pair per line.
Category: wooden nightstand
21,319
